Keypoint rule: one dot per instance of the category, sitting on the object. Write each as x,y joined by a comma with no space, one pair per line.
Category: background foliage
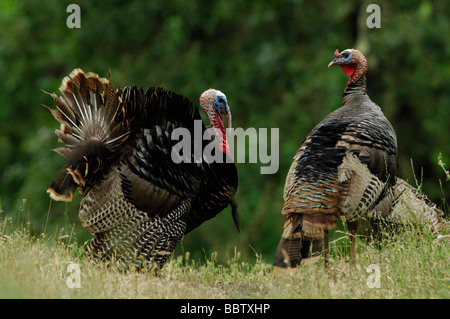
269,57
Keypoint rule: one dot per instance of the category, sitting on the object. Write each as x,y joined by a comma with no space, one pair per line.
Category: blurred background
269,57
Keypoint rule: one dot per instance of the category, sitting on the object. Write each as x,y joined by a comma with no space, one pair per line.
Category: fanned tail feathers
94,123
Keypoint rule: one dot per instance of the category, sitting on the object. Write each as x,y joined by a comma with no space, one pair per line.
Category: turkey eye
221,100
345,55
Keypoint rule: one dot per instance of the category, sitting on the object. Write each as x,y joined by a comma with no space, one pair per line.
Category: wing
152,178
216,193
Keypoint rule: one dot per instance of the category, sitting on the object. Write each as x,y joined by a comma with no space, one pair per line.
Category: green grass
412,264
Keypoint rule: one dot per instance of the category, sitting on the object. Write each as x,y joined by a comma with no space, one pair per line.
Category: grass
414,263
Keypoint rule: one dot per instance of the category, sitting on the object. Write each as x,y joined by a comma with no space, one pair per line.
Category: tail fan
94,123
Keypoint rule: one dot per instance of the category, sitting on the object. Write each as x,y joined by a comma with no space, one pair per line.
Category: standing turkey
343,168
140,196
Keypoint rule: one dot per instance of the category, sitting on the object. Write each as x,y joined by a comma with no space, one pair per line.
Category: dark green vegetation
269,57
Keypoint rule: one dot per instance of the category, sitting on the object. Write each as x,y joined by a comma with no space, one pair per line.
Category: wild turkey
140,196
342,169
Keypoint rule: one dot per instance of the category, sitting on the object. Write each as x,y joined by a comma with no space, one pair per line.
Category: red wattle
221,135
349,70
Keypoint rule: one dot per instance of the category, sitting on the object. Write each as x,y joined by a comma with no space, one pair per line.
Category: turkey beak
336,61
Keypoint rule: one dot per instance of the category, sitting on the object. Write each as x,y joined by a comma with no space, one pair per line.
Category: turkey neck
356,87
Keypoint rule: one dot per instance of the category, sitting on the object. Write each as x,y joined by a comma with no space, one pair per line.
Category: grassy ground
412,264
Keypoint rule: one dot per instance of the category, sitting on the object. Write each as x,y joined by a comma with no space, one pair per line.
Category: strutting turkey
140,197
342,169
